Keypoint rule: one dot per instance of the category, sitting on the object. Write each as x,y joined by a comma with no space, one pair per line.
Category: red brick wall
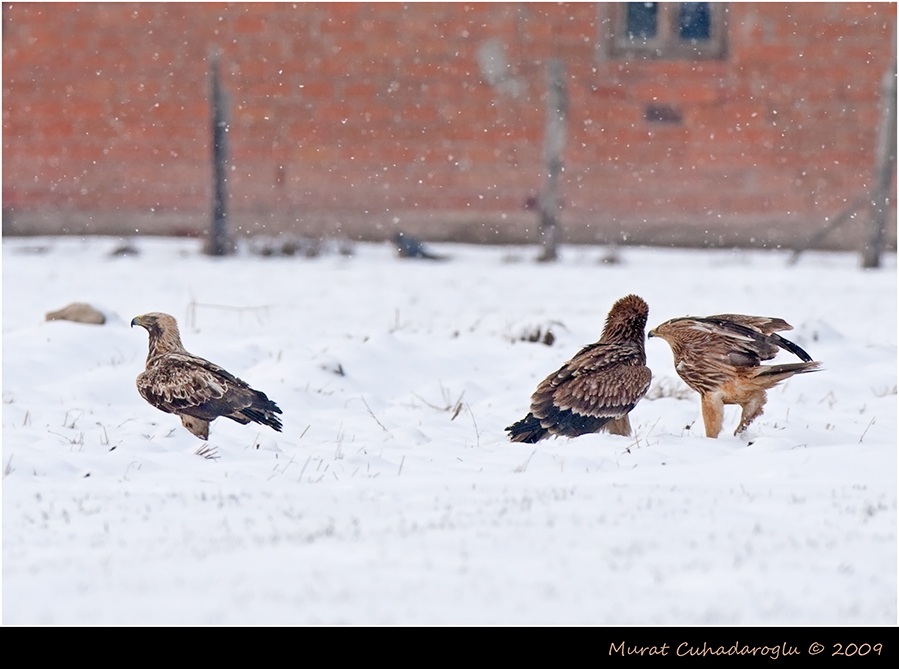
357,118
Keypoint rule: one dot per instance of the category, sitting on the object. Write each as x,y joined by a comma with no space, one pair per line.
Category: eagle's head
626,320
163,329
663,330
155,320
681,334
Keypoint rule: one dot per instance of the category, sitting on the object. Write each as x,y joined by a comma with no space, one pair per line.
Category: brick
325,97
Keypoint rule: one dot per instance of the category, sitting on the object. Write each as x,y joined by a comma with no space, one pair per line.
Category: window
675,30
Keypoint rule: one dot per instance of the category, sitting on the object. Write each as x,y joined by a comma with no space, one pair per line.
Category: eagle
720,358
193,388
598,387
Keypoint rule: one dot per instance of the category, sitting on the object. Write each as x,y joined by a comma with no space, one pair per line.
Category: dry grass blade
458,407
520,469
372,414
870,423
208,452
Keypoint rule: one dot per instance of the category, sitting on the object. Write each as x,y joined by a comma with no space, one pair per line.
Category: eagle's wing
729,342
764,324
601,381
183,383
755,335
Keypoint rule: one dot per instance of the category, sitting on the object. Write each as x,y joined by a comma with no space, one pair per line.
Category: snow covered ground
392,495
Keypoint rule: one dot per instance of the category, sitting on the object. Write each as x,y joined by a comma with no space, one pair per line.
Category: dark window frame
666,44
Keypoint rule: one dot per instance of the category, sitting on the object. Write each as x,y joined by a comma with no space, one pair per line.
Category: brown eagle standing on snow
719,357
195,389
597,388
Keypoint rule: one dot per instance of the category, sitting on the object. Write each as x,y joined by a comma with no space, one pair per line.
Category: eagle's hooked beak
649,334
136,321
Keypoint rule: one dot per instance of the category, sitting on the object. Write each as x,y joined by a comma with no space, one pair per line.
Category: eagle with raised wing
595,390
720,358
195,389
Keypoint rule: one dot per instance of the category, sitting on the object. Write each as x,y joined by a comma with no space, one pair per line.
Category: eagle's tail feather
264,418
785,371
262,411
528,430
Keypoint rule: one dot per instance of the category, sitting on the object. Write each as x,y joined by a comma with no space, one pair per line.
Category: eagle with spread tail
195,389
598,387
720,358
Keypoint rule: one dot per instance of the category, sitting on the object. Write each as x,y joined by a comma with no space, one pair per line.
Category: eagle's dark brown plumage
195,389
598,387
720,358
